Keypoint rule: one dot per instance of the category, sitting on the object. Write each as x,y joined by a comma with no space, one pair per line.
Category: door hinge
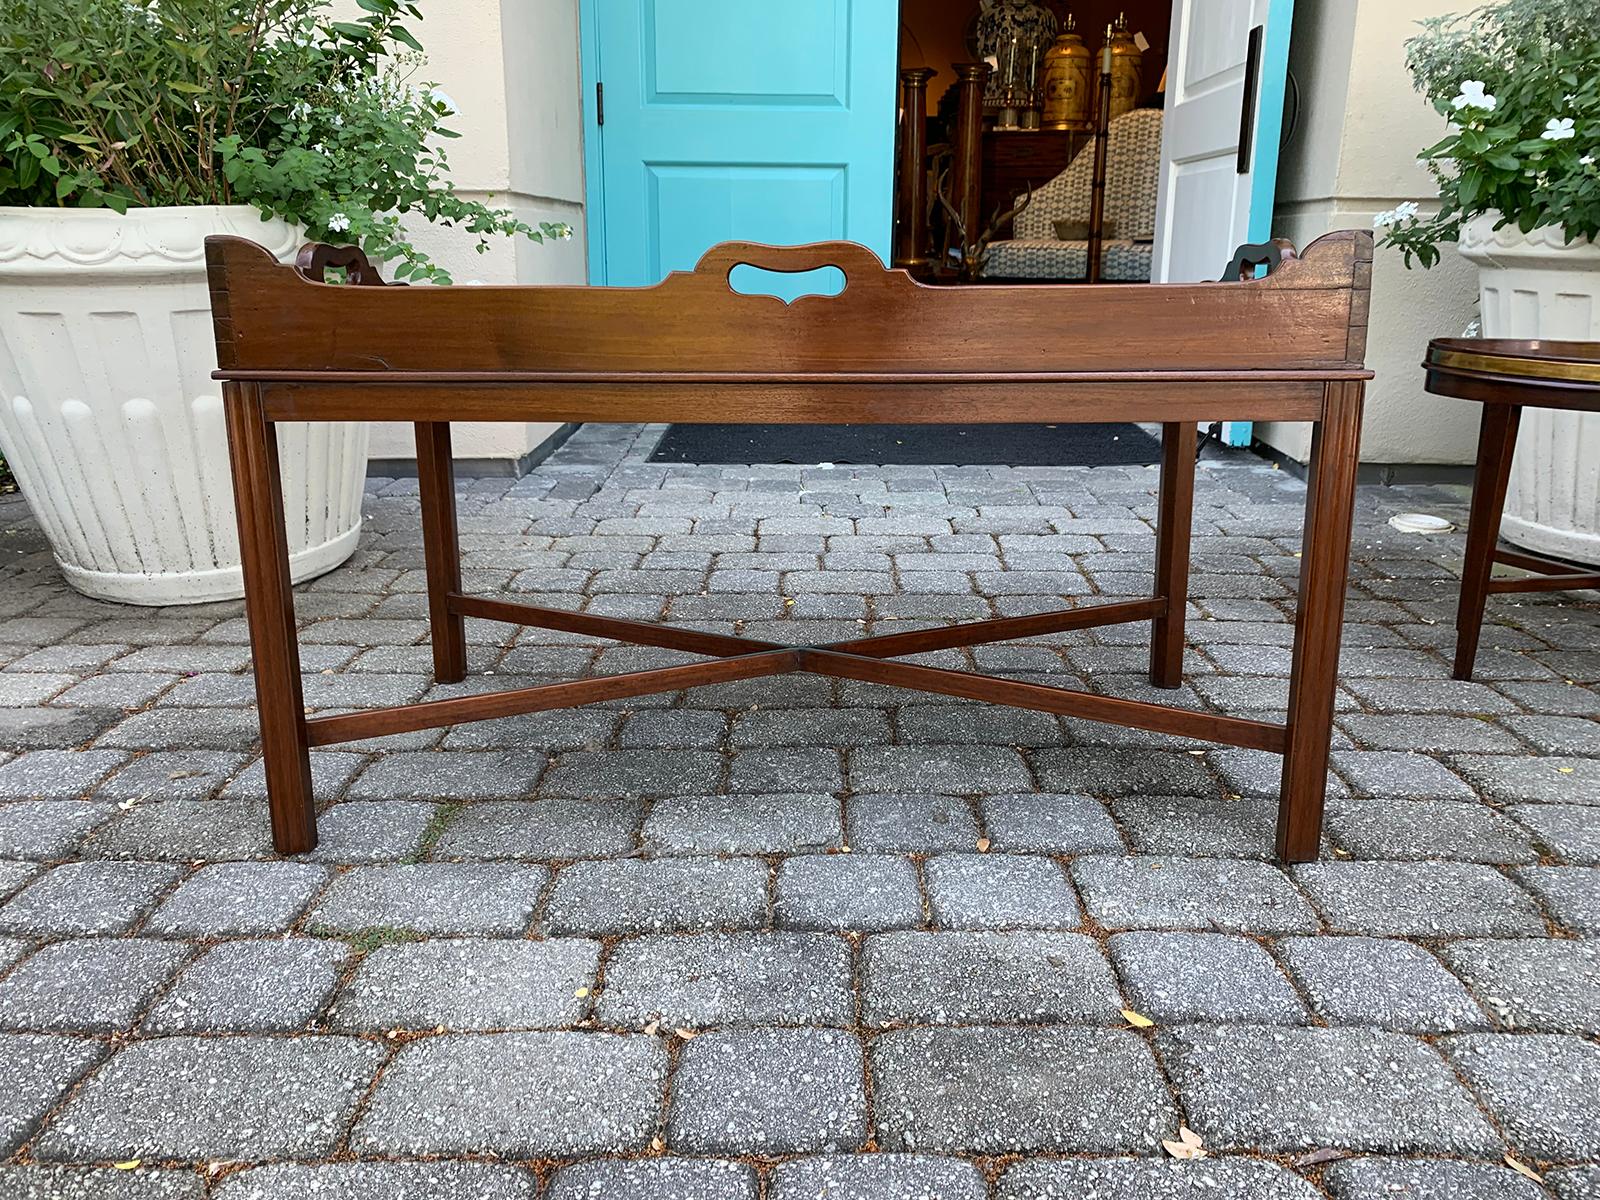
599,104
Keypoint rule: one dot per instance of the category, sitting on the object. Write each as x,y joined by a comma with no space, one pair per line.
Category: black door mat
911,445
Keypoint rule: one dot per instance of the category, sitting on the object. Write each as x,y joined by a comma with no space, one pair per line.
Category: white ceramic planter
112,424
1535,286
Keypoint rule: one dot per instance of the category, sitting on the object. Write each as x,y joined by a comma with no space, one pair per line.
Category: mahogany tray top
1287,346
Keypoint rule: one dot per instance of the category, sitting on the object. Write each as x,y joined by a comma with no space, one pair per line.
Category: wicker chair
1133,163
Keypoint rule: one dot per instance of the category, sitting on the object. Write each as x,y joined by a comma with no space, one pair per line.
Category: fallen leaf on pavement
1188,1144
1137,1019
1524,1169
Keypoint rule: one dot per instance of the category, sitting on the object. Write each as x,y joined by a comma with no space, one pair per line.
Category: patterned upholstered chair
1133,162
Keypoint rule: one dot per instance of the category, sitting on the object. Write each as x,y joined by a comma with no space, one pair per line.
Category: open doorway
1016,191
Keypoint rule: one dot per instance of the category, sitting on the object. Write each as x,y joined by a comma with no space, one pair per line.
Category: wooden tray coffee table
1284,347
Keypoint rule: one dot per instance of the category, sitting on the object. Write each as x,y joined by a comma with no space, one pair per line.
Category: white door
1217,58
1227,63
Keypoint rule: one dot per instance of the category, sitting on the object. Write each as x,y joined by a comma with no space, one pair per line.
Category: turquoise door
736,119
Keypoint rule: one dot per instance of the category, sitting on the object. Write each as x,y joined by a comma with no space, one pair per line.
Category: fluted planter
1534,285
112,424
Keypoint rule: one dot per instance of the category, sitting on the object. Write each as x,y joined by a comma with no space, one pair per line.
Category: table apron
799,404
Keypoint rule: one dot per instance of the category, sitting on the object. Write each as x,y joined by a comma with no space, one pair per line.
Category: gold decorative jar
1125,62
1068,82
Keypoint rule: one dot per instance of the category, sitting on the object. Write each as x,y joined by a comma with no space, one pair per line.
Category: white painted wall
1353,155
511,66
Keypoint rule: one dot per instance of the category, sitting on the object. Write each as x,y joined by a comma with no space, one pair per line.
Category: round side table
1504,376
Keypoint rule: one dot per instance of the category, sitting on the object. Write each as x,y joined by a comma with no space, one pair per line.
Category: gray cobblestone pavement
793,938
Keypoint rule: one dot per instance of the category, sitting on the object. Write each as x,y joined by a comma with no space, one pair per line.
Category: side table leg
1497,442
1324,569
441,549
1174,521
269,607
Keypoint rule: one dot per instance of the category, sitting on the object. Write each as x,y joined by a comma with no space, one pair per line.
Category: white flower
441,97
1587,160
1558,130
300,111
1472,95
338,223
1384,219
338,121
566,233
1404,212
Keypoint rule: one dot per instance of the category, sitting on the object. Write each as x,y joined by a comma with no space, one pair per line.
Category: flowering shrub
119,103
1519,82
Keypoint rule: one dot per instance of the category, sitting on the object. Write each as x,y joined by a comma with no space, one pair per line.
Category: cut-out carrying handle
1271,255
315,259
852,258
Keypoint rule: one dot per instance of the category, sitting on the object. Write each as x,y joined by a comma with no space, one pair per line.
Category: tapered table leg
1174,518
1324,568
269,607
441,549
1497,443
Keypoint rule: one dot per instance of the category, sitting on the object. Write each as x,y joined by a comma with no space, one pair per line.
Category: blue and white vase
1002,24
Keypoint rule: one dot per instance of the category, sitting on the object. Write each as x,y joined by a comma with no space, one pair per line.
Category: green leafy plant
1519,82
133,103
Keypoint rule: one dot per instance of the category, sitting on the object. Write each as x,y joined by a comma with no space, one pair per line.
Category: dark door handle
1247,107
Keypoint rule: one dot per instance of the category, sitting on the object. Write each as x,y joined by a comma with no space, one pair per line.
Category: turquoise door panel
1272,83
739,120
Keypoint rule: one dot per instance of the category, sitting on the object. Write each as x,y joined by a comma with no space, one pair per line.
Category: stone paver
1382,982
1177,977
238,899
654,1179
86,898
866,892
877,1177
960,978
470,983
1571,894
1282,1089
1000,891
372,1180
873,913
1144,1179
1427,1179
722,1098
1543,984
1050,824
1179,893
774,824
522,1095
912,822
979,1089
96,985
432,898
637,896
1542,1088
196,1099
1428,899
102,1183
251,987
35,1072
728,979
